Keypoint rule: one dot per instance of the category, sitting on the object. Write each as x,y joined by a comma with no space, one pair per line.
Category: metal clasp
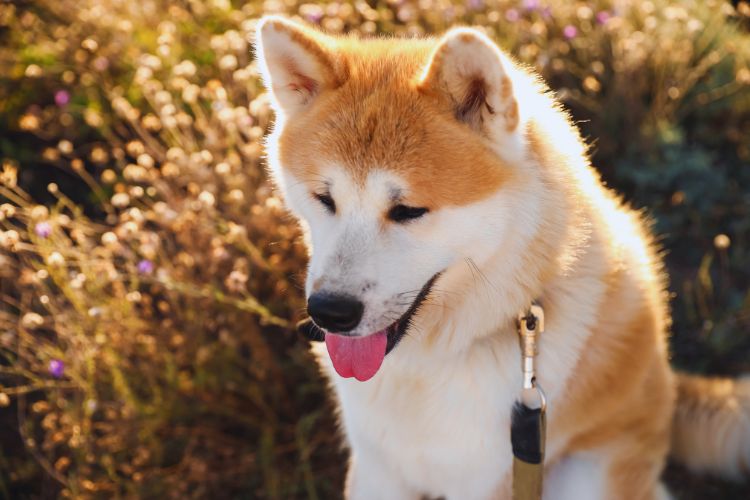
530,326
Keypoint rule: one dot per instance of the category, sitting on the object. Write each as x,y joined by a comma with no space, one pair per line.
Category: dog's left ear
470,70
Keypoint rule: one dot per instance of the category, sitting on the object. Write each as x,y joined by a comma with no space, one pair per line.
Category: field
150,278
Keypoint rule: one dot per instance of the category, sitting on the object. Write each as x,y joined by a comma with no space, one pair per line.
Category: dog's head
396,155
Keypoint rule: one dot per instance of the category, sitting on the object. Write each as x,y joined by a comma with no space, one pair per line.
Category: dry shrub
145,336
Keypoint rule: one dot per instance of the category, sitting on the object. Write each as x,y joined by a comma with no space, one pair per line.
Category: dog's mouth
361,357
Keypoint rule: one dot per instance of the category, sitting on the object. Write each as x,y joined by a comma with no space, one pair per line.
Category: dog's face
384,150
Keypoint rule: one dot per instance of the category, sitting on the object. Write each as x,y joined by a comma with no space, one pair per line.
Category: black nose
335,313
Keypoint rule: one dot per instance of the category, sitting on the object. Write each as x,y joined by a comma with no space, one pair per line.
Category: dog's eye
327,202
402,213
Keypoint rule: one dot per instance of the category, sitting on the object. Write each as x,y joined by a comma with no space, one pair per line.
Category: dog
441,190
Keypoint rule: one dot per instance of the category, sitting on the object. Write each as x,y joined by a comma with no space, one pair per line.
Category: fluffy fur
516,213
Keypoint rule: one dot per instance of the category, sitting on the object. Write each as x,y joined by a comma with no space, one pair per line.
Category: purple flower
314,16
547,13
530,4
43,229
56,368
62,97
145,267
512,15
603,16
570,31
475,4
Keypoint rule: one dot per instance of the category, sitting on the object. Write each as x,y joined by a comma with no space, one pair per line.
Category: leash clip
530,326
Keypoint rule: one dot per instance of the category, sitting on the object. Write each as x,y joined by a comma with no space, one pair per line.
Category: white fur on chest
437,418
443,428
439,421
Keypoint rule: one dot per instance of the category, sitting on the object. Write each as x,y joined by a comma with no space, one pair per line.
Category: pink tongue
358,357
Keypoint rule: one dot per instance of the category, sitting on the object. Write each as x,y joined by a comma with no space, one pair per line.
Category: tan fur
393,109
711,430
621,397
333,68
376,119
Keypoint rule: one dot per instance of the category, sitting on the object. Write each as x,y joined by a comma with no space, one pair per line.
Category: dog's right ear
295,63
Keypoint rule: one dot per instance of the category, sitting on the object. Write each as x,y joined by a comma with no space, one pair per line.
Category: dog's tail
711,430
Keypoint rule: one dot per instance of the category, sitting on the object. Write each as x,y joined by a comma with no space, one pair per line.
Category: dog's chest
440,425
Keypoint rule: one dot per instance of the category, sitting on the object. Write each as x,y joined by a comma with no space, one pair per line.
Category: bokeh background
150,278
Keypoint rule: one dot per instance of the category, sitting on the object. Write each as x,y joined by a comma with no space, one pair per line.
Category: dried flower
120,200
135,148
7,210
62,464
39,212
591,84
9,175
65,147
9,239
190,94
236,281
228,62
32,320
33,71
142,74
236,196
185,68
145,160
109,239
98,154
207,199
90,44
93,118
55,259
29,122
109,176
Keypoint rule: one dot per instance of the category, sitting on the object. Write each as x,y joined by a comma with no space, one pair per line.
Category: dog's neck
476,299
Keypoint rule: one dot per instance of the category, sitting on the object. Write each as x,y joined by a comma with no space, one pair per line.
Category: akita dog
442,189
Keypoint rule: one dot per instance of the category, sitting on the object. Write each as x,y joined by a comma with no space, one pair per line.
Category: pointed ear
295,63
470,70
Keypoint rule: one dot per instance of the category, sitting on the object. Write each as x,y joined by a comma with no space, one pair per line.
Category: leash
528,422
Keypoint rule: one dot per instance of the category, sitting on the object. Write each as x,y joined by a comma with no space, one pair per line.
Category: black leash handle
527,432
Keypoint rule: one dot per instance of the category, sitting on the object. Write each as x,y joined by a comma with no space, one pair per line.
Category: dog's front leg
371,479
